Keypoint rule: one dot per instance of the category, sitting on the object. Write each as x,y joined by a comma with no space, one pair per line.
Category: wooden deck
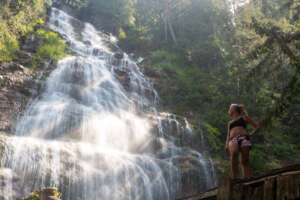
279,184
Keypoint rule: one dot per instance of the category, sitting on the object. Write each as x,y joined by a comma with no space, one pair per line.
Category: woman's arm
253,123
227,138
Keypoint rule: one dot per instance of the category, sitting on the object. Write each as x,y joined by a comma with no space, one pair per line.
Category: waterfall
95,132
235,4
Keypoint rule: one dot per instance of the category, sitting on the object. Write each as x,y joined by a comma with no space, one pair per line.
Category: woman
238,139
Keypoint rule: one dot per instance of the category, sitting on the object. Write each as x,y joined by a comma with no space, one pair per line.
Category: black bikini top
239,122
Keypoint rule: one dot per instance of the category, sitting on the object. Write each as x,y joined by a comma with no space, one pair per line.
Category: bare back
238,127
236,131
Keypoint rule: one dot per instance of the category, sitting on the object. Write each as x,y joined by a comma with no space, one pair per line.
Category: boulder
48,194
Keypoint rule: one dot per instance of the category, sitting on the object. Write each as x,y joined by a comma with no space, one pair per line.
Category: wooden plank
272,173
290,173
297,185
253,191
237,192
210,194
287,187
270,188
283,183
259,180
225,189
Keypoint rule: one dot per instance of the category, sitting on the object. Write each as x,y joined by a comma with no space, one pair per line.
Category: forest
207,55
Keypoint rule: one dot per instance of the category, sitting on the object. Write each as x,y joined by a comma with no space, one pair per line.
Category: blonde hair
239,108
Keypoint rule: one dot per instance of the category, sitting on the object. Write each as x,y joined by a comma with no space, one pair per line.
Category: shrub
212,135
52,48
18,18
8,49
122,34
259,160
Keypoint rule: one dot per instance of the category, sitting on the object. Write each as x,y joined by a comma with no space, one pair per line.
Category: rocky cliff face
16,87
18,83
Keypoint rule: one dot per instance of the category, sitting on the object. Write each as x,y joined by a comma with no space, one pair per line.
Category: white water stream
82,134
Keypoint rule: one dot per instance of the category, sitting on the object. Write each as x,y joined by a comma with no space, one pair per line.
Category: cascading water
88,133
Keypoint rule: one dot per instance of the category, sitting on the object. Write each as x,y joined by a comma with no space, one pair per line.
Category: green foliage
57,194
36,196
50,51
192,88
33,196
212,136
122,34
52,48
8,49
16,19
182,78
259,159
111,15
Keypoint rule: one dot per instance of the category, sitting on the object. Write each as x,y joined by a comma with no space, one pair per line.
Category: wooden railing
279,184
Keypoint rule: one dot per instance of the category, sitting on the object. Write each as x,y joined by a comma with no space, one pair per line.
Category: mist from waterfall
86,132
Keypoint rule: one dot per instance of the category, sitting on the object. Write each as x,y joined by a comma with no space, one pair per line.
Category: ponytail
240,109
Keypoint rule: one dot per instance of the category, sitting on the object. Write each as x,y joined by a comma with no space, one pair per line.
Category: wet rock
78,27
104,35
192,172
56,23
30,43
111,46
26,91
149,93
193,181
28,40
16,66
97,52
123,76
23,55
117,58
119,55
150,146
48,194
152,72
87,42
9,181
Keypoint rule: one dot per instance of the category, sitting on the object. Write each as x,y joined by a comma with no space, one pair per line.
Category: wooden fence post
225,189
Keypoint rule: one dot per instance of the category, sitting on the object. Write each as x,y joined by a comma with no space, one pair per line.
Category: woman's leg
245,161
234,153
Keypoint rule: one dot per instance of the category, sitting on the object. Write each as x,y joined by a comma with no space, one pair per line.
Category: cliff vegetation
21,20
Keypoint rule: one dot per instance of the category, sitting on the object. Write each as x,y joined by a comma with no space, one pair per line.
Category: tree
110,15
